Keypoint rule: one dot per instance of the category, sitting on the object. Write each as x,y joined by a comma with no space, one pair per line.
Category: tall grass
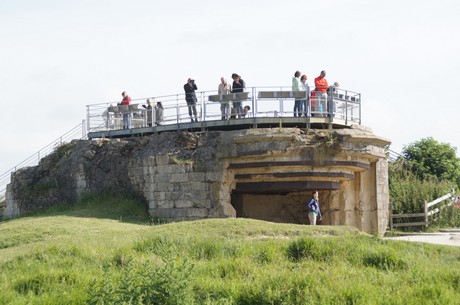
65,259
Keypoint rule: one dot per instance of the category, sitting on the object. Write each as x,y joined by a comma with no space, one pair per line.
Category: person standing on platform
314,211
238,86
321,95
190,98
331,90
306,102
149,111
159,113
296,86
224,88
126,114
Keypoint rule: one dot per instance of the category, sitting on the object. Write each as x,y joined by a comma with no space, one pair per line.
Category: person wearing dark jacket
314,211
190,98
238,86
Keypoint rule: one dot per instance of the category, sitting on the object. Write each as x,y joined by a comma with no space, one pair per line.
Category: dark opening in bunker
282,202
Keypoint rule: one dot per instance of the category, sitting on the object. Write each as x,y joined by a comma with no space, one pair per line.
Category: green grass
99,253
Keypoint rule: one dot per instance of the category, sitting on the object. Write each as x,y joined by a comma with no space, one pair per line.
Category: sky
58,56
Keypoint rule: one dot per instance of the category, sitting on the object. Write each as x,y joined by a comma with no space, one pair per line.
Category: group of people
321,100
228,109
154,113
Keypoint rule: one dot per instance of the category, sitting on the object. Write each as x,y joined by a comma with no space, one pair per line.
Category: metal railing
77,132
101,117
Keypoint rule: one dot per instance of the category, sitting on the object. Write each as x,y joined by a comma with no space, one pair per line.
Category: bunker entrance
281,206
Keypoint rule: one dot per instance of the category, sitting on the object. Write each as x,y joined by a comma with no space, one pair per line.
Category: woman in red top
321,87
126,115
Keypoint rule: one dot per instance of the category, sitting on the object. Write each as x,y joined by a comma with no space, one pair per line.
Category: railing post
88,117
346,107
359,108
203,108
177,111
83,131
254,107
425,208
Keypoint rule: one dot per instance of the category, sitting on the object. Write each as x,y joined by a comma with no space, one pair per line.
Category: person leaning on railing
330,99
149,111
321,95
238,86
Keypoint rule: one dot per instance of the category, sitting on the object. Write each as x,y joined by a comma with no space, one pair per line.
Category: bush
143,283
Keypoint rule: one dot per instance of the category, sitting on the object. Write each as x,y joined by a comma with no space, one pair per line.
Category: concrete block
198,212
165,204
182,177
184,204
162,159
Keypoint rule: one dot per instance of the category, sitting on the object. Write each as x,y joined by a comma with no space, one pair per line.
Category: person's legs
297,108
312,218
189,106
194,112
126,121
305,108
223,111
239,108
323,103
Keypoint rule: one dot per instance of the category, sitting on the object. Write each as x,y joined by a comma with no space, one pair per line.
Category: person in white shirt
224,88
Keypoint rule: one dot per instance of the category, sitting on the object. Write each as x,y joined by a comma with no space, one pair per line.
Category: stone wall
259,173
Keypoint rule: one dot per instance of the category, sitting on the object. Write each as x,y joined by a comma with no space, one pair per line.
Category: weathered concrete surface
259,173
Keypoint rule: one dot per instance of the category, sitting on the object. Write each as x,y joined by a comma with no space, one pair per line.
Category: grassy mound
79,256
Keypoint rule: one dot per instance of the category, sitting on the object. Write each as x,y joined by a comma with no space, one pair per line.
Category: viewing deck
269,107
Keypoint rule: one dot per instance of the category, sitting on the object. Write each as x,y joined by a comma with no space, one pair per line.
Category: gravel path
449,238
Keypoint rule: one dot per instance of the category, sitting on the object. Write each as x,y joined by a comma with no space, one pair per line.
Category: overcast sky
59,56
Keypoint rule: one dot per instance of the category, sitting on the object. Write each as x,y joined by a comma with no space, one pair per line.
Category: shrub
383,259
143,283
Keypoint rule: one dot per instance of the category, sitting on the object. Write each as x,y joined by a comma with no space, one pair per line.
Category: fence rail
422,215
78,131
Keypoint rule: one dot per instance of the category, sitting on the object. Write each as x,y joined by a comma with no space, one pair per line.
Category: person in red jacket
321,94
126,115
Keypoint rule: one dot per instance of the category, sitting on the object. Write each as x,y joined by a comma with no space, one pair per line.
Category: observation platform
270,107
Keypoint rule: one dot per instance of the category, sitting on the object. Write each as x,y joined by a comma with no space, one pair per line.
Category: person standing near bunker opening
314,211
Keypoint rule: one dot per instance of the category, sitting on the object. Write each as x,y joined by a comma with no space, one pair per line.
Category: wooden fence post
425,207
391,216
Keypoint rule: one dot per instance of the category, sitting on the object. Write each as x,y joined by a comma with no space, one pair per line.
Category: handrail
79,130
347,107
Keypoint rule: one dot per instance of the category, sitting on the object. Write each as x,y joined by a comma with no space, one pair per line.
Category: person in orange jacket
321,88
